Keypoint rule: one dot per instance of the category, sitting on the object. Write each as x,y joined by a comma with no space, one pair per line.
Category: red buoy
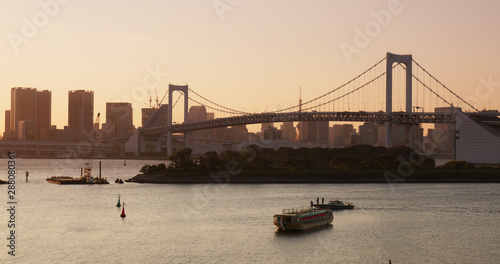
123,211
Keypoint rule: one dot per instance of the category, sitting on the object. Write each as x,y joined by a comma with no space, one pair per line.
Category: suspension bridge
407,87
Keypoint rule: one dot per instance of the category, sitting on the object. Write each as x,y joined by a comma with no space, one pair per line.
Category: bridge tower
171,89
407,61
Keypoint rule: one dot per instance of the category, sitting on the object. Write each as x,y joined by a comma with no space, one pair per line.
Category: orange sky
248,55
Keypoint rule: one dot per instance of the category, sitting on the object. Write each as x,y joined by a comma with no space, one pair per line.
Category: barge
302,218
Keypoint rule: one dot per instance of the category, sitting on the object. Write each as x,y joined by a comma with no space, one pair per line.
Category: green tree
154,169
458,165
210,162
181,160
382,161
345,162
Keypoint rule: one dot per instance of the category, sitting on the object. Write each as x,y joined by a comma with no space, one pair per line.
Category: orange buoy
123,211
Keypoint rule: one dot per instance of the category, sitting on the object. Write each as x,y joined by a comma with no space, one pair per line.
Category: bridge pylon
407,61
171,89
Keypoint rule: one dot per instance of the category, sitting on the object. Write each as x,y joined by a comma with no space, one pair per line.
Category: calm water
209,223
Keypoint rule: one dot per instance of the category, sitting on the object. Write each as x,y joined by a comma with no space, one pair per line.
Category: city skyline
246,56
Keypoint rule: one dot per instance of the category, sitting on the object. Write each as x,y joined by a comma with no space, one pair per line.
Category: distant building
400,136
198,114
27,130
368,133
355,139
288,131
445,132
81,112
151,117
315,132
119,121
478,140
22,107
271,133
8,133
239,133
43,110
341,135
32,106
267,131
154,117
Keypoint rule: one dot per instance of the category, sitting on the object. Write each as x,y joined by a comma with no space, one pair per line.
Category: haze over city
247,55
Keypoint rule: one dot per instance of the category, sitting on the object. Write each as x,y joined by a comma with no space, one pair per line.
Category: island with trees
357,164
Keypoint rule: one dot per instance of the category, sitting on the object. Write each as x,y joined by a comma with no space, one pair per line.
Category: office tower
7,132
43,110
314,132
197,113
288,131
32,106
119,121
81,112
155,117
342,135
369,134
145,114
22,107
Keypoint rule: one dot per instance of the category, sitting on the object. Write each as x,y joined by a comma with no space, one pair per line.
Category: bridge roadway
374,117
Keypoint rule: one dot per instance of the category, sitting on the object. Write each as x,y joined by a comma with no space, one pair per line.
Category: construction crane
150,99
157,103
97,121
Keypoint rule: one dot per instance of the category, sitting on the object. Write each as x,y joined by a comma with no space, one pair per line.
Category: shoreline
321,177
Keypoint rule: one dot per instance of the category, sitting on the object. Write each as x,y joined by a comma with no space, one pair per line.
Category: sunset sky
248,55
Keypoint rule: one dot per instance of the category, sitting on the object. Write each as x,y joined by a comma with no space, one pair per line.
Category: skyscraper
31,106
43,110
22,107
118,120
81,111
7,133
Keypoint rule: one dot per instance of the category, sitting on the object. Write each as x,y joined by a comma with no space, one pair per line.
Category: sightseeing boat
302,218
335,205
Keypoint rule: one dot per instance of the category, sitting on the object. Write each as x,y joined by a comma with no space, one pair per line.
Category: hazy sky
249,55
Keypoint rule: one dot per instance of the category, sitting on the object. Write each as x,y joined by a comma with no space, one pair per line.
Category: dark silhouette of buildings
29,108
119,121
81,112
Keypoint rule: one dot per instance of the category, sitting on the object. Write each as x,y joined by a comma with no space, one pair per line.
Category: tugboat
302,218
335,205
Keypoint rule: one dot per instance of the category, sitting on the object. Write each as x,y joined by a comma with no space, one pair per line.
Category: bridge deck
376,117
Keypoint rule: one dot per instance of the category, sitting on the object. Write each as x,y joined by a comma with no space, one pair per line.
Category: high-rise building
7,132
27,130
314,132
81,112
342,135
119,122
22,107
288,131
155,117
43,110
446,131
32,106
369,134
199,113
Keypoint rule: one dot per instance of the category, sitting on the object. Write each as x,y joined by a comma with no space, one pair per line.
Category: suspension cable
223,107
444,86
334,90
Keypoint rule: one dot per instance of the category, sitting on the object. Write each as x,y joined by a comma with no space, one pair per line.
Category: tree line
357,157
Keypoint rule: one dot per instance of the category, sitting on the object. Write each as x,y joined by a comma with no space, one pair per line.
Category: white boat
302,218
335,205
